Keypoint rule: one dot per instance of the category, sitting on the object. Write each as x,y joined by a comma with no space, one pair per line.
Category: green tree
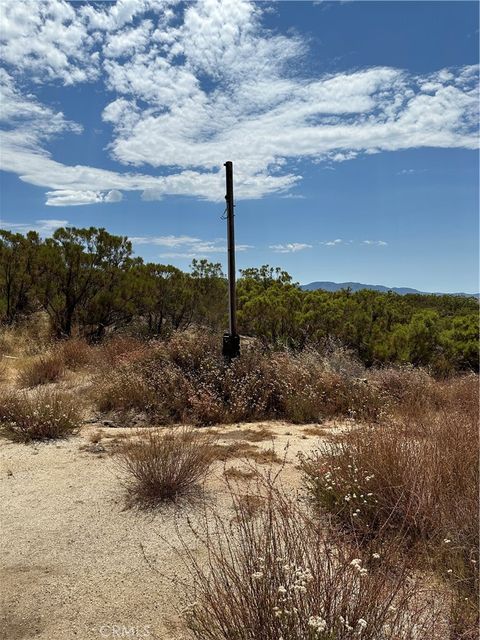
17,258
79,272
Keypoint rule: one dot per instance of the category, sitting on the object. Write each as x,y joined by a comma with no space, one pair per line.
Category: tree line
89,282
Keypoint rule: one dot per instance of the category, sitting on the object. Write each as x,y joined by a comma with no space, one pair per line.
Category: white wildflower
317,623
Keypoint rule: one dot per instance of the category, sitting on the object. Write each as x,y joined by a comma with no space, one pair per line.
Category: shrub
76,353
273,572
163,466
416,476
185,379
119,348
43,415
43,369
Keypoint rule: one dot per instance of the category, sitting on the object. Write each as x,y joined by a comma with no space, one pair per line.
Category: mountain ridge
359,286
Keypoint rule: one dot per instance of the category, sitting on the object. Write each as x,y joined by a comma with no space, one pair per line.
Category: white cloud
70,197
45,227
46,40
332,243
200,83
290,247
340,242
114,196
187,246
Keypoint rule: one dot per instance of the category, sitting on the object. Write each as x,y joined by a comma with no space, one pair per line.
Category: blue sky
353,128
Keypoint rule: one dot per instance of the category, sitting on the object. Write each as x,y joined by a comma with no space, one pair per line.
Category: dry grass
265,456
236,473
250,435
96,436
43,369
44,415
315,431
163,466
274,572
224,452
26,338
414,476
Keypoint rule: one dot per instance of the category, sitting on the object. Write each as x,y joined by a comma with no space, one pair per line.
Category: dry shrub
119,349
163,466
76,353
411,391
418,476
43,369
185,379
274,572
43,415
339,359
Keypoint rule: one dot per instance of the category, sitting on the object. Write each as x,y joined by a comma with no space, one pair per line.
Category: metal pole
231,341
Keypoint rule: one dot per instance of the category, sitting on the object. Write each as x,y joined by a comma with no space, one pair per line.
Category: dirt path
73,558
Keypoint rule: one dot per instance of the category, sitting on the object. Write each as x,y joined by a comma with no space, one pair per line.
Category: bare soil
77,563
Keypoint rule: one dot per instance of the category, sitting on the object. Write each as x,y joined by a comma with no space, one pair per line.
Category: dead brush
416,476
43,369
118,349
162,466
277,573
185,379
76,353
43,415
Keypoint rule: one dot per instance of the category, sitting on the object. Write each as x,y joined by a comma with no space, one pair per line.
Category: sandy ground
73,559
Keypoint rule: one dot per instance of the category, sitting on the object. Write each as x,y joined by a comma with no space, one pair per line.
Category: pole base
231,346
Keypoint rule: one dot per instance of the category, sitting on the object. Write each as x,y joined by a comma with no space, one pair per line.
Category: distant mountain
358,286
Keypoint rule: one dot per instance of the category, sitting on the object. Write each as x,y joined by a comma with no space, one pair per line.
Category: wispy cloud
44,227
187,246
340,242
408,172
290,247
333,243
155,56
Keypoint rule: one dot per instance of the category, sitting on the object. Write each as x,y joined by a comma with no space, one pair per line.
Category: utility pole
231,340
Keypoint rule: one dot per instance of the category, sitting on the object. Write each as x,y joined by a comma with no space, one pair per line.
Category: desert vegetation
45,415
165,466
88,283
414,477
276,571
370,531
